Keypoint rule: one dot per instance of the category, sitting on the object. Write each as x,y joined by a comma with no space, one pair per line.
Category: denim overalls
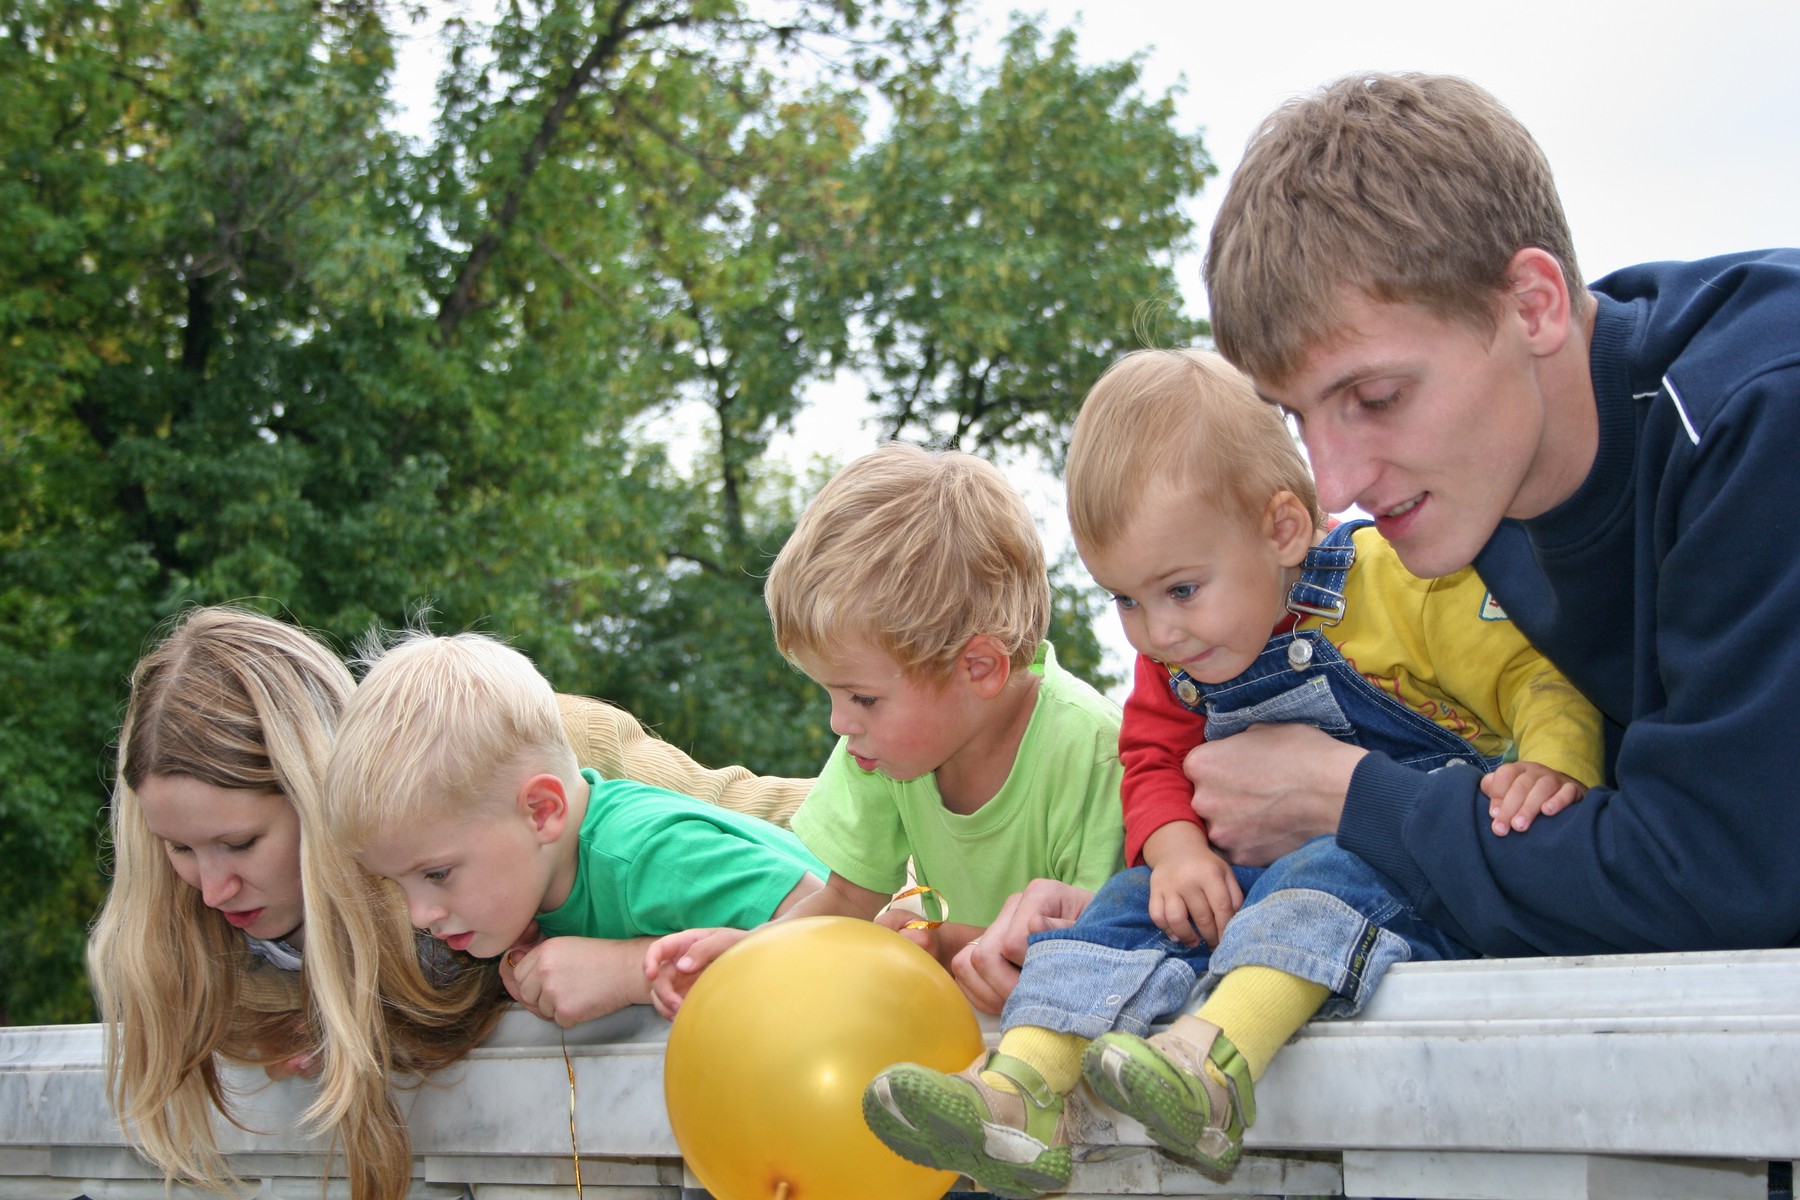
1320,913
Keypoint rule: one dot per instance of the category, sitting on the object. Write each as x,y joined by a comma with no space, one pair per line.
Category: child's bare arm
672,963
837,898
1518,791
574,979
809,883
1191,886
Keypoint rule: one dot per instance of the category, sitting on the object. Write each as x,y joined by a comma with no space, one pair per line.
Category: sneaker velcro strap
1025,1077
1238,1082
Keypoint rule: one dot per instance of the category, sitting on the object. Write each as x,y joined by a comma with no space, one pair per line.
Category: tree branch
461,301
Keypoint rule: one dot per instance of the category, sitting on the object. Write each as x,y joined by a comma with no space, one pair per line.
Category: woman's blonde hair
1185,421
238,700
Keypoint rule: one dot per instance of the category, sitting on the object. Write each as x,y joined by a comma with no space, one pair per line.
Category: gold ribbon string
923,921
574,1145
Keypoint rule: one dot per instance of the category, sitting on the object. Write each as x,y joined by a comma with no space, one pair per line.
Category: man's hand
1191,887
1270,789
987,969
574,979
1518,791
672,963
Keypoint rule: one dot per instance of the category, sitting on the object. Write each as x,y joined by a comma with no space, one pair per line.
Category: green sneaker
1012,1145
1163,1083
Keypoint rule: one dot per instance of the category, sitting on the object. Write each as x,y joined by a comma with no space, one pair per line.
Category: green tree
256,344
1009,234
1018,234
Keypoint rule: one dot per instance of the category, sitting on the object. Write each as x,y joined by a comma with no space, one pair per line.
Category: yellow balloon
771,1051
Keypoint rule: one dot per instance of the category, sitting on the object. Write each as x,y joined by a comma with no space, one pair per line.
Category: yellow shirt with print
1444,649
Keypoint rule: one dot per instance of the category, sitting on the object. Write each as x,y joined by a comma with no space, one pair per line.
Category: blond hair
1407,188
914,552
1180,420
439,727
238,700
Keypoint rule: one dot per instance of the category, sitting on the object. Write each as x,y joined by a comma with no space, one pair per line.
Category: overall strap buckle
1319,592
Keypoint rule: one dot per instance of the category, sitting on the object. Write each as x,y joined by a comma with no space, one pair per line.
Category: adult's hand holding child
1269,790
987,969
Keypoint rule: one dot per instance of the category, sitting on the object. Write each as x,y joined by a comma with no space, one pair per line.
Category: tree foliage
1017,233
257,344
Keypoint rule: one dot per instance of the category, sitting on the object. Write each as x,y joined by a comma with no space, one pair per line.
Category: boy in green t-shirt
453,776
914,592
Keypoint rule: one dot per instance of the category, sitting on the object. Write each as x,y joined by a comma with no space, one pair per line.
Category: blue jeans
1320,913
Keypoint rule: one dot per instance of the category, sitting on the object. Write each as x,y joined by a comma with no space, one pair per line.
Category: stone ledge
1642,1076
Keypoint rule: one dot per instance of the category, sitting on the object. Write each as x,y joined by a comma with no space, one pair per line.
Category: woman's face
240,849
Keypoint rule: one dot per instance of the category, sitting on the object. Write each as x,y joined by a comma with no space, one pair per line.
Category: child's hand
1518,791
672,963
943,942
1191,887
304,1065
574,979
925,937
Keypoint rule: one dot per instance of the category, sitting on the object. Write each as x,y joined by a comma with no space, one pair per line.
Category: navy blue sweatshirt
1666,589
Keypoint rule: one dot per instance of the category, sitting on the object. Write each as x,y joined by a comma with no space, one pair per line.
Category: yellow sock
1259,1009
1055,1056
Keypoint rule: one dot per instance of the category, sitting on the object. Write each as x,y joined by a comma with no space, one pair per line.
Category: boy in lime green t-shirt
914,592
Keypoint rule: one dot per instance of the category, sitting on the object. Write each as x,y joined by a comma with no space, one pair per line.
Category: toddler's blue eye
1183,591
1124,602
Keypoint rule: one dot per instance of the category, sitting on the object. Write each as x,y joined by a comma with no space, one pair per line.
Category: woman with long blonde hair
233,932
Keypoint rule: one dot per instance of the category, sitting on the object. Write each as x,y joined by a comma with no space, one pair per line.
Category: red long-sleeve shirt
1157,733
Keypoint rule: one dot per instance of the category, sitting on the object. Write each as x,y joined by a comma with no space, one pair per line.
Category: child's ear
985,663
1288,523
545,803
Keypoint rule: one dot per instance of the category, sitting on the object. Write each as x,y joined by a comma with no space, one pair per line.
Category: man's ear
1538,295
544,802
985,663
1288,523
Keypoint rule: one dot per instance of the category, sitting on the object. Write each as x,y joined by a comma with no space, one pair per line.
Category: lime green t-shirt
652,862
1055,817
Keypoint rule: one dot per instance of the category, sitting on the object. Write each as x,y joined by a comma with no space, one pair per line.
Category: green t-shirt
653,862
1055,817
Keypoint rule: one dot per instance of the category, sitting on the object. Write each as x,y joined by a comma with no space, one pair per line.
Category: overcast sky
1674,129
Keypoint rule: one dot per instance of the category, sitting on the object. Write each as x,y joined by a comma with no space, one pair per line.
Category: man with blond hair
1391,265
